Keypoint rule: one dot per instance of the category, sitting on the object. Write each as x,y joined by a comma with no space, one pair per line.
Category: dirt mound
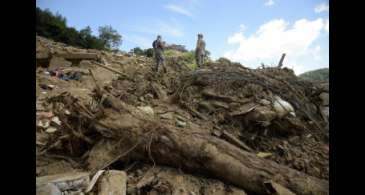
260,130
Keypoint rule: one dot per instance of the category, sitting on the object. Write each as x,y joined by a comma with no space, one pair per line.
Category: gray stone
325,99
65,181
168,115
58,62
48,189
265,102
113,182
326,111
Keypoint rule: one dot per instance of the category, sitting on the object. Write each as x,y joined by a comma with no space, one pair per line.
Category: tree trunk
167,145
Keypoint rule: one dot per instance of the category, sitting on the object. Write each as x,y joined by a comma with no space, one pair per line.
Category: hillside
316,75
217,129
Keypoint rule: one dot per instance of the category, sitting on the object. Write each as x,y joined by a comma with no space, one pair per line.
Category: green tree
110,37
54,26
149,52
138,51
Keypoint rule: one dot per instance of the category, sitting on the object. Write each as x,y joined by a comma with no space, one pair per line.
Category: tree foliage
316,75
54,26
110,37
143,52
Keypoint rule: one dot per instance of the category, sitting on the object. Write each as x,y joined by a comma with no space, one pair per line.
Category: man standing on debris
200,50
158,48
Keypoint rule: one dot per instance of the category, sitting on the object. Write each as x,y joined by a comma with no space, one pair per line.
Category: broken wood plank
281,60
111,69
235,141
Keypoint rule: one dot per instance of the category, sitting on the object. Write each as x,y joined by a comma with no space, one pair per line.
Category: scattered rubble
222,129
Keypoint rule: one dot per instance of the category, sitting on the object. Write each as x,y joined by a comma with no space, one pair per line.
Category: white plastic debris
282,107
51,130
56,120
180,123
43,124
67,112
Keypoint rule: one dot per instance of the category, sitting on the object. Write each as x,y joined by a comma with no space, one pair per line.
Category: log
232,139
147,139
213,156
111,69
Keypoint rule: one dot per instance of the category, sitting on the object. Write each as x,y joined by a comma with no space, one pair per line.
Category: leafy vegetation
54,26
142,52
317,75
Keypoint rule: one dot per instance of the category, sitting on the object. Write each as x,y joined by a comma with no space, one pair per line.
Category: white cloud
269,3
323,7
178,9
327,25
274,38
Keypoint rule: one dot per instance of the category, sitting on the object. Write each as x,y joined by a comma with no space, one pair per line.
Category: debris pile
121,128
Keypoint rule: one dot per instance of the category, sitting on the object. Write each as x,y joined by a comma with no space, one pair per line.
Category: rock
58,62
265,102
146,109
132,191
45,114
326,111
160,93
180,123
168,115
149,96
325,98
113,182
65,181
85,63
48,189
139,172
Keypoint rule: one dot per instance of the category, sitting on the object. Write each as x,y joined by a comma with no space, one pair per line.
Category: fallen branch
230,138
111,69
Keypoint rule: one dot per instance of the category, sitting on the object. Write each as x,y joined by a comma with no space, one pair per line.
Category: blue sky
247,31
